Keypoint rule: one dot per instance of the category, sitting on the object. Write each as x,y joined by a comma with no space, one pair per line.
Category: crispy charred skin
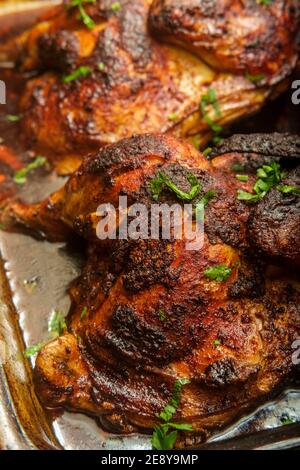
143,85
240,37
232,339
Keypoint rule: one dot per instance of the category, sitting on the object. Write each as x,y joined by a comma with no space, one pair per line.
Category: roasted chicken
107,70
152,314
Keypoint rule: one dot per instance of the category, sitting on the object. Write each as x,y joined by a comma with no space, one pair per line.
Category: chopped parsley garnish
207,151
242,177
116,6
32,350
82,15
237,167
173,117
20,175
163,438
161,314
286,189
255,78
57,323
101,66
162,181
217,342
56,327
14,117
82,71
286,420
83,313
268,177
203,203
264,2
218,273
211,99
207,197
217,139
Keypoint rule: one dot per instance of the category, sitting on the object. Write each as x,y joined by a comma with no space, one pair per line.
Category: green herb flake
264,2
82,15
101,66
83,313
207,197
217,343
218,273
14,117
32,350
57,323
165,434
162,181
211,99
268,177
217,139
255,78
116,6
162,314
207,151
243,178
82,71
286,420
173,117
286,189
20,176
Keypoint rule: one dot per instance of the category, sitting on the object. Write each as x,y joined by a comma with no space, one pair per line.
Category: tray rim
29,428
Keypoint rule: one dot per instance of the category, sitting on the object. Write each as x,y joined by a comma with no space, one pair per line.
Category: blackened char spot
228,372
286,146
58,50
135,339
149,263
250,281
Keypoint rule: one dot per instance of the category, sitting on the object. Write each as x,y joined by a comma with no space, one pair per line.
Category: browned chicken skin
240,36
143,85
231,339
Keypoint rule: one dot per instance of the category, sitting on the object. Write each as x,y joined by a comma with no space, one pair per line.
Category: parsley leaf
161,314
242,177
161,181
268,177
211,99
32,350
14,117
83,313
207,151
82,71
101,66
20,176
57,323
255,78
116,6
286,420
286,189
264,2
218,273
199,213
162,439
173,117
83,16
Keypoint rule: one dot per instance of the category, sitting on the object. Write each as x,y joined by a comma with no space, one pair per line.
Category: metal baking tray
24,312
